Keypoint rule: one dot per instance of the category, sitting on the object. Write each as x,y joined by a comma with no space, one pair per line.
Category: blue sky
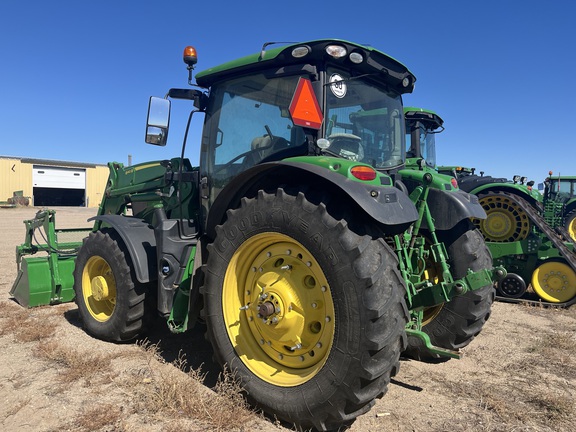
76,75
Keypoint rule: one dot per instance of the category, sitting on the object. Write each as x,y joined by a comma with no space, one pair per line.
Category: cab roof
374,61
430,119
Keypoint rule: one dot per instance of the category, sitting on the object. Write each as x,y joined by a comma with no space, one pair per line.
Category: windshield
564,186
364,123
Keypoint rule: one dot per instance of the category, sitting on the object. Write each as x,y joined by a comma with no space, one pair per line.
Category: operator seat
263,148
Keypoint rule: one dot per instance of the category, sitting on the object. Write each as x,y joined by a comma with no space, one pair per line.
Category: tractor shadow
190,345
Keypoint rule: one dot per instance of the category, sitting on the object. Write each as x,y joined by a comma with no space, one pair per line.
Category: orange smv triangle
304,108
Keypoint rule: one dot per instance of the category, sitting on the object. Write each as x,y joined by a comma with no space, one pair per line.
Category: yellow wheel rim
278,309
572,229
554,282
505,220
99,288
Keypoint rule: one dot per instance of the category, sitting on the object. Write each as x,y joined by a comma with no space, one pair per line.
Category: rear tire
455,324
110,300
309,314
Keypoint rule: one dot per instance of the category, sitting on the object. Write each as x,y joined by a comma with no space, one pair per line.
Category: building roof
53,162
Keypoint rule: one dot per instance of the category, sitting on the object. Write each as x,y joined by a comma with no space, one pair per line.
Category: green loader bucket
36,285
46,279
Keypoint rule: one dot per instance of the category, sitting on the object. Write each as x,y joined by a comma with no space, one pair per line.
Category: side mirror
158,121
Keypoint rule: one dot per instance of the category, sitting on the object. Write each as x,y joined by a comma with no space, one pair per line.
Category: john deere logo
338,86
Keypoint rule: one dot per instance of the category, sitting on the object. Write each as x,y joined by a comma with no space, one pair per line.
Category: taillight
363,172
454,183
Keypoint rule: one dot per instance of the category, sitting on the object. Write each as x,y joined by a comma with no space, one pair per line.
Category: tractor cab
560,188
287,111
421,129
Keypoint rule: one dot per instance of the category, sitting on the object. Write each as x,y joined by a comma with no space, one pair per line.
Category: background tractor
559,203
307,248
518,229
466,314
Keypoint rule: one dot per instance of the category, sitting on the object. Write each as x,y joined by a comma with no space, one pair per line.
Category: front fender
449,208
138,236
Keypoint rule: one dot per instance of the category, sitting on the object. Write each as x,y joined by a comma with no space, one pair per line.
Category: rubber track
557,241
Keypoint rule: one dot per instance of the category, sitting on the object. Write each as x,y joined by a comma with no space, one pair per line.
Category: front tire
309,314
110,300
455,324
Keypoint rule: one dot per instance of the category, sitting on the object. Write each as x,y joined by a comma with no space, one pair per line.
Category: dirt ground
519,374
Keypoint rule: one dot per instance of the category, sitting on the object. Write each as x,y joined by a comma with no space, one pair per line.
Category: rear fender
138,236
449,208
384,203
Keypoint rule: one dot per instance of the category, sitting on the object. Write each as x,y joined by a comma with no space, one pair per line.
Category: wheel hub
555,281
265,310
100,289
497,225
281,317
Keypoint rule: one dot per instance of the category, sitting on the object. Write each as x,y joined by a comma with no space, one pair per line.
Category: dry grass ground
518,375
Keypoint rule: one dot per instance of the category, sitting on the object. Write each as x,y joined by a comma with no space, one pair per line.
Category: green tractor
559,204
421,129
302,242
521,236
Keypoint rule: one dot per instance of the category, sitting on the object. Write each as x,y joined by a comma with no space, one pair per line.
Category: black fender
449,208
385,204
138,236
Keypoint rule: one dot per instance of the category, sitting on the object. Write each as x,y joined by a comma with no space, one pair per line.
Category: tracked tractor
540,260
302,242
559,202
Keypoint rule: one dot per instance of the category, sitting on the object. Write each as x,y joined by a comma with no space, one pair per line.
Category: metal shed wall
16,175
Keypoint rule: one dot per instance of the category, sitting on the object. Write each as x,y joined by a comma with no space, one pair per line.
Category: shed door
58,186
62,178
